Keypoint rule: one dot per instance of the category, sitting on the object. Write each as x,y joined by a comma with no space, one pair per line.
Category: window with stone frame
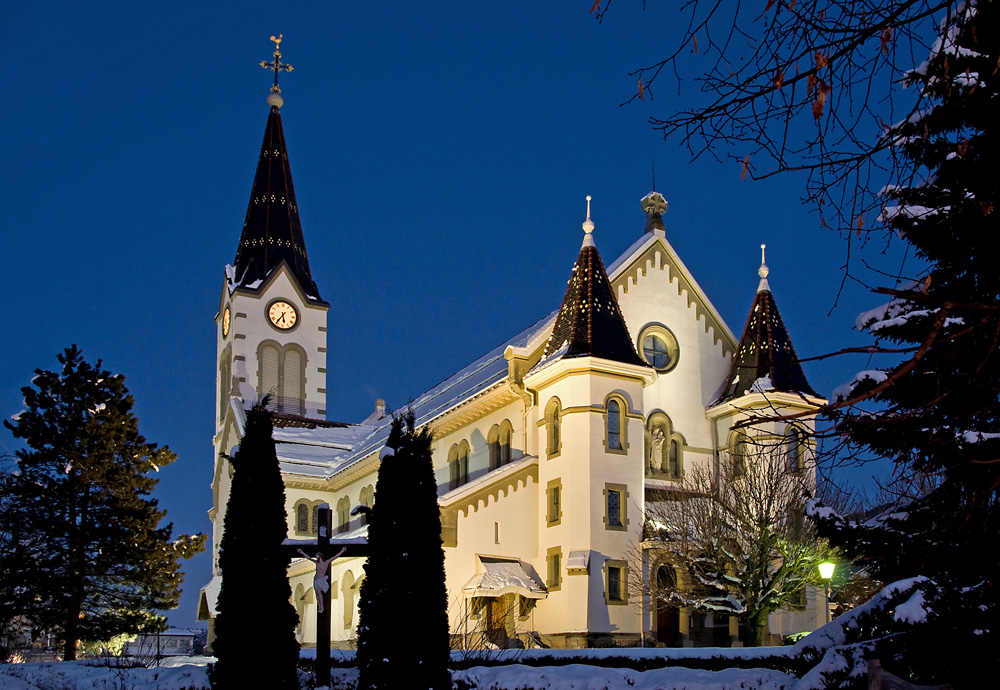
553,579
615,507
553,422
553,494
616,582
614,424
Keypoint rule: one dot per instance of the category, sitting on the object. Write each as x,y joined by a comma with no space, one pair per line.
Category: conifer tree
937,414
254,604
91,554
405,568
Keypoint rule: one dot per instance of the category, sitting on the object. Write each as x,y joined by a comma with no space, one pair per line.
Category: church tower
766,384
272,320
589,385
271,323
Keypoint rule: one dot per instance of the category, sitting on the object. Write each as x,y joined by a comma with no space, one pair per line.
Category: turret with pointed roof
272,232
590,323
765,360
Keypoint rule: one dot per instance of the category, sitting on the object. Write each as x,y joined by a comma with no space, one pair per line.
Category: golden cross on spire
276,65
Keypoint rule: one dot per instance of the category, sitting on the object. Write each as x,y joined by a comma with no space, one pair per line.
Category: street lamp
826,573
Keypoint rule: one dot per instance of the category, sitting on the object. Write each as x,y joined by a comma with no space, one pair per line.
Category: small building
172,642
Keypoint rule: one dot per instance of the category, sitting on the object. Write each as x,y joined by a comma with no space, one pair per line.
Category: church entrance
667,616
496,629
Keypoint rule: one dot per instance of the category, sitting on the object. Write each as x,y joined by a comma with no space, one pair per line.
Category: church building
545,449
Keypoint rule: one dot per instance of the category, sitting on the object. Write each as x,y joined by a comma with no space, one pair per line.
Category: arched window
270,375
343,514
614,425
796,448
493,443
463,463
367,499
739,448
504,442
315,519
458,464
291,388
225,383
282,376
615,429
553,423
347,589
302,518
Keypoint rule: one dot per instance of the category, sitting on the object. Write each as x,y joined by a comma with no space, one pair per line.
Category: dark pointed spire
272,232
590,322
765,360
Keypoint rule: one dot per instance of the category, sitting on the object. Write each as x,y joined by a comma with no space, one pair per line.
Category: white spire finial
762,272
588,227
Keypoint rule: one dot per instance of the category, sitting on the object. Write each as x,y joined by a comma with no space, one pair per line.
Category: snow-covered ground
186,672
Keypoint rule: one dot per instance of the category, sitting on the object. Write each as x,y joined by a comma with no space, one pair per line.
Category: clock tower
271,323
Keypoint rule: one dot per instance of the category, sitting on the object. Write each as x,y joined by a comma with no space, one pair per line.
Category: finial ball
275,100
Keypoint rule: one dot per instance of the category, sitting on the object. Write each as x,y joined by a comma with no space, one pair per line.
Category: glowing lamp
826,570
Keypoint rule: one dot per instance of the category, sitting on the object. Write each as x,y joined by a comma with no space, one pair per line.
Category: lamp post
826,573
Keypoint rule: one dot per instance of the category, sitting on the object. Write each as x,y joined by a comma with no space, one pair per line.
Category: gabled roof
272,232
590,323
765,360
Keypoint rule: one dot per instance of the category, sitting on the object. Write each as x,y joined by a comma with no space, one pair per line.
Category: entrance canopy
500,576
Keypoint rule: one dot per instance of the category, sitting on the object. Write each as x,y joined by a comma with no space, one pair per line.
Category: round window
659,347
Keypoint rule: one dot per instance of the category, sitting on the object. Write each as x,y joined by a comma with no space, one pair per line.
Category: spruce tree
88,549
405,569
937,414
254,604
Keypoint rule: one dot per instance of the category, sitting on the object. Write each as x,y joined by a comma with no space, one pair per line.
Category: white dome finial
588,227
763,271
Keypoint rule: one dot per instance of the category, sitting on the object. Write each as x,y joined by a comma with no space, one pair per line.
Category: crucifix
321,552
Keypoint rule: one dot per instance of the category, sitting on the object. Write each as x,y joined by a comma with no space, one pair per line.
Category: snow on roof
501,576
578,560
322,452
210,592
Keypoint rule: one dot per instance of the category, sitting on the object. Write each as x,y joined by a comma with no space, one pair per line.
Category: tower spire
765,360
763,271
272,231
590,323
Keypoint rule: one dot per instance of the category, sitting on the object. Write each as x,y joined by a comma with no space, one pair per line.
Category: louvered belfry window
291,399
270,383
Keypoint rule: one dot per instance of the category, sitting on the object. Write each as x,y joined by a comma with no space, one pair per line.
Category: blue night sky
441,154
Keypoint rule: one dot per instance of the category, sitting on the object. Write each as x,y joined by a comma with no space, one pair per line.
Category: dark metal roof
272,232
765,352
590,322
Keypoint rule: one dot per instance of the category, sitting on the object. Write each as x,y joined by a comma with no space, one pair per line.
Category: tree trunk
756,625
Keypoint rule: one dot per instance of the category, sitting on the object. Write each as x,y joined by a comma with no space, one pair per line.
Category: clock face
282,315
226,320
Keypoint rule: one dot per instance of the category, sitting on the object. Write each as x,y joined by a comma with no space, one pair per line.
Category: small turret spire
588,227
762,272
274,98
